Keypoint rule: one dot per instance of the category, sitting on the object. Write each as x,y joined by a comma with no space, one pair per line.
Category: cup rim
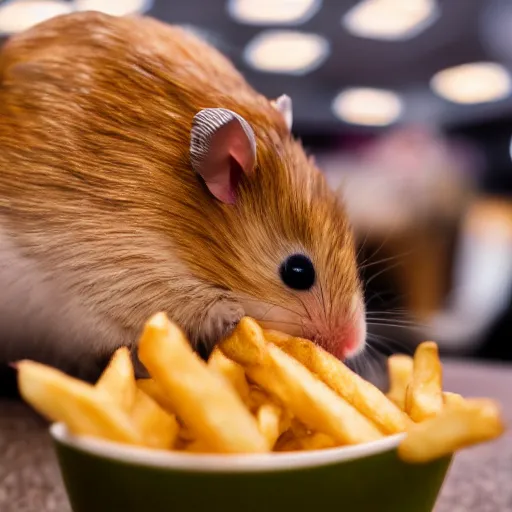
192,462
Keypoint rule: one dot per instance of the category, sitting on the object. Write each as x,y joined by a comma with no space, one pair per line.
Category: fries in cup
232,371
424,397
457,426
400,368
118,379
158,428
269,418
453,399
86,411
316,441
205,401
153,389
260,391
306,396
361,394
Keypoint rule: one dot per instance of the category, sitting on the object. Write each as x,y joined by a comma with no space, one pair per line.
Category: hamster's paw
219,321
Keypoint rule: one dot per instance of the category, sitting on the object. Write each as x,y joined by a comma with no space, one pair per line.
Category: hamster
141,173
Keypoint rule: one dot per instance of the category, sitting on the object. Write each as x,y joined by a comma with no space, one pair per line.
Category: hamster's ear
283,104
222,147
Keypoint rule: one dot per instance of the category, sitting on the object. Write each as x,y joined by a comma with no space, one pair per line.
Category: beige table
480,479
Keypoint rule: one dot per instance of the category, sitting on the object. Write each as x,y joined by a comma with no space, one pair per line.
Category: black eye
298,272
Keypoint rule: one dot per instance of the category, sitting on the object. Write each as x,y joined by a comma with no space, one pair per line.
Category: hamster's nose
353,341
347,341
355,333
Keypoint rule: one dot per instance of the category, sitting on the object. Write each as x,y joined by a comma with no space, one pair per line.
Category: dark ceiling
466,31
460,35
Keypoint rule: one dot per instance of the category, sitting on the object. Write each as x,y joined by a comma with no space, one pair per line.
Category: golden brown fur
97,195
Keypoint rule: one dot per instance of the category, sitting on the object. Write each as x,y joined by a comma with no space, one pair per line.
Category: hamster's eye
298,272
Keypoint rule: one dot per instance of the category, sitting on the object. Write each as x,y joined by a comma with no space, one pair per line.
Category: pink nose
351,341
346,343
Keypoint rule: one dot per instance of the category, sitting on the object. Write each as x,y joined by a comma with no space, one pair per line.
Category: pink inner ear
225,189
231,153
235,175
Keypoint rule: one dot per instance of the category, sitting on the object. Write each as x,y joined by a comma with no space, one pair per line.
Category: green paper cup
101,476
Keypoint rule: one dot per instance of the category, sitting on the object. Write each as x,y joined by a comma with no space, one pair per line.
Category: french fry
232,371
298,428
197,446
257,397
288,442
295,441
205,402
155,391
118,379
400,368
316,441
453,399
158,428
424,397
186,434
84,409
456,427
269,422
363,395
307,397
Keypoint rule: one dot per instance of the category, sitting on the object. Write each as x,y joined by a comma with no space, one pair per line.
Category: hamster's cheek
270,316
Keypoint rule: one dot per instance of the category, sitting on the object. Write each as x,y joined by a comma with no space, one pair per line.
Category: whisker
375,360
371,351
385,296
362,246
323,301
380,318
384,349
382,314
403,312
389,343
382,272
391,323
376,251
365,363
414,325
305,308
279,322
375,296
362,365
274,304
392,318
382,260
267,312
353,364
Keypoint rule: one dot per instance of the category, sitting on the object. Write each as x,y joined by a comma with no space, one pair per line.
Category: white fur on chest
41,320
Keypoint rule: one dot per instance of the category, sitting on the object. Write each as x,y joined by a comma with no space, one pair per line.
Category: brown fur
97,195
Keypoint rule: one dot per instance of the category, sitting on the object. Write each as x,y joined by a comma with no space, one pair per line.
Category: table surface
480,479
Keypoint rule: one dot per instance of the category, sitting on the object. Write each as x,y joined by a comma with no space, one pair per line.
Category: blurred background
407,106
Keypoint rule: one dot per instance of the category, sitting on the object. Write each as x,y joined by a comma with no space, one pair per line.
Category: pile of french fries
260,391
